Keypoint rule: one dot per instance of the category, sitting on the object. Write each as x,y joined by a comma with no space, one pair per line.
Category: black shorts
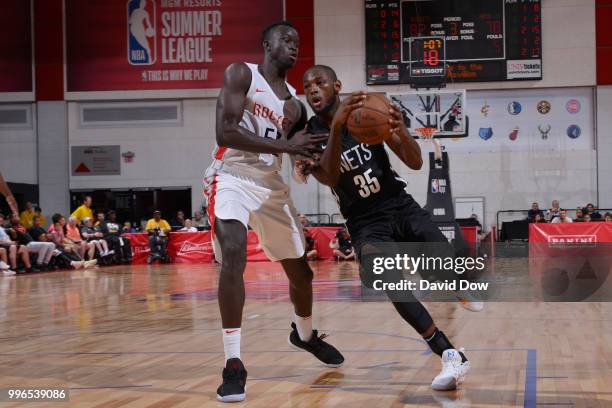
398,219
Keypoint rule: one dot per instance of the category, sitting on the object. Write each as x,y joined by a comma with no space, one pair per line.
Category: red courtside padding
196,247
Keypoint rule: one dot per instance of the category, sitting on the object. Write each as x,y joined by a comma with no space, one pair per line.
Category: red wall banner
114,45
16,46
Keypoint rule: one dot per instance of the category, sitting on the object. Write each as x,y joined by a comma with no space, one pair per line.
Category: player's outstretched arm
230,108
10,199
400,141
328,171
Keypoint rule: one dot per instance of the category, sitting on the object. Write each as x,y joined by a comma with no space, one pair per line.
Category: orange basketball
370,123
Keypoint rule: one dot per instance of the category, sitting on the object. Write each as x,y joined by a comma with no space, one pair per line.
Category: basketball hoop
426,133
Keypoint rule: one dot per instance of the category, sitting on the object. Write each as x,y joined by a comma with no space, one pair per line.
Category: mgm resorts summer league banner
15,46
125,45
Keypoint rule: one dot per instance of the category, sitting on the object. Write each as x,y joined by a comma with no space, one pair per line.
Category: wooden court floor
149,336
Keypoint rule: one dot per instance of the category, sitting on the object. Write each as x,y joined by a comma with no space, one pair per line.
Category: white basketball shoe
453,371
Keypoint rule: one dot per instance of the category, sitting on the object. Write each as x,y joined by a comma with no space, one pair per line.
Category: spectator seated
158,230
117,242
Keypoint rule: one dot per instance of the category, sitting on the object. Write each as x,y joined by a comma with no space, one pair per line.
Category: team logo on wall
574,131
544,130
142,44
514,134
514,108
572,106
485,133
485,109
544,107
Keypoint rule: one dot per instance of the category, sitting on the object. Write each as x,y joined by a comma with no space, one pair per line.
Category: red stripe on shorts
220,152
211,206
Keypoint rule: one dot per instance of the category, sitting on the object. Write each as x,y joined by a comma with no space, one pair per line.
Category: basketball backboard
442,109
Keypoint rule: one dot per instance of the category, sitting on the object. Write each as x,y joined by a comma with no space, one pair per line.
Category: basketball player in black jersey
373,201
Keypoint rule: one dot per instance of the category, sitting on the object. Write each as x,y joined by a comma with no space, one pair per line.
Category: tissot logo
191,247
571,240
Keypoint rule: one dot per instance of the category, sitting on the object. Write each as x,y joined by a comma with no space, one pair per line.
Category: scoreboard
484,40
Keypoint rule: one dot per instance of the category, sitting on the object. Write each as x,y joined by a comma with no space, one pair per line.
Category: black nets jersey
366,176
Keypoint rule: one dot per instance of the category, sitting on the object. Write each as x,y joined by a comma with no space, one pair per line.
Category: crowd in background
341,244
84,239
556,214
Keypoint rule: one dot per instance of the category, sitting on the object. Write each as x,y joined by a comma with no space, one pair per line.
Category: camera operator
158,230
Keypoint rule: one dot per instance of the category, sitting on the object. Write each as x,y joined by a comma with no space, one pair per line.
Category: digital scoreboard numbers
485,40
427,60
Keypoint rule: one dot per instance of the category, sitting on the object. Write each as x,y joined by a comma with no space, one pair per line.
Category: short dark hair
265,34
325,68
56,217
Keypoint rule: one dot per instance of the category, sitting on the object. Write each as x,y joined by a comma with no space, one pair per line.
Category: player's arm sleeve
230,108
150,225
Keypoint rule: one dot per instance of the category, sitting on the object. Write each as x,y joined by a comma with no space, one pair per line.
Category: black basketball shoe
324,352
234,382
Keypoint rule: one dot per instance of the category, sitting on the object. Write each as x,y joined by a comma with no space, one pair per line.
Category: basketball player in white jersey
257,118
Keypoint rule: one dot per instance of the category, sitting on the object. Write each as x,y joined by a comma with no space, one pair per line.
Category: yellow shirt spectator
26,218
161,224
82,212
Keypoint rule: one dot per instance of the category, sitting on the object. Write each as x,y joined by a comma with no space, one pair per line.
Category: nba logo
435,186
141,20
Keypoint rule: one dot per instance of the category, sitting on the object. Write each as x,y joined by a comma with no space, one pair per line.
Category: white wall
53,157
18,153
604,145
168,156
507,180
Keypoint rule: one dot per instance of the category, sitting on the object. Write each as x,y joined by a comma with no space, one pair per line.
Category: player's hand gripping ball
370,123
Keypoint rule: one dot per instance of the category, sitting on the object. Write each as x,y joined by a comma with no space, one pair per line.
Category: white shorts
263,203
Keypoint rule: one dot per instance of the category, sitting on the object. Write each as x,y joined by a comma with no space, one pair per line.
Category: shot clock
427,60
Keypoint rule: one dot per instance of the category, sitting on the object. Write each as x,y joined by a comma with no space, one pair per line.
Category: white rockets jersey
263,115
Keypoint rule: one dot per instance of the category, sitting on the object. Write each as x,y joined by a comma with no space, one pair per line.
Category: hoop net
426,132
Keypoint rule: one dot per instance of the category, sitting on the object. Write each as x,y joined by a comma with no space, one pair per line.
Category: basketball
370,123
